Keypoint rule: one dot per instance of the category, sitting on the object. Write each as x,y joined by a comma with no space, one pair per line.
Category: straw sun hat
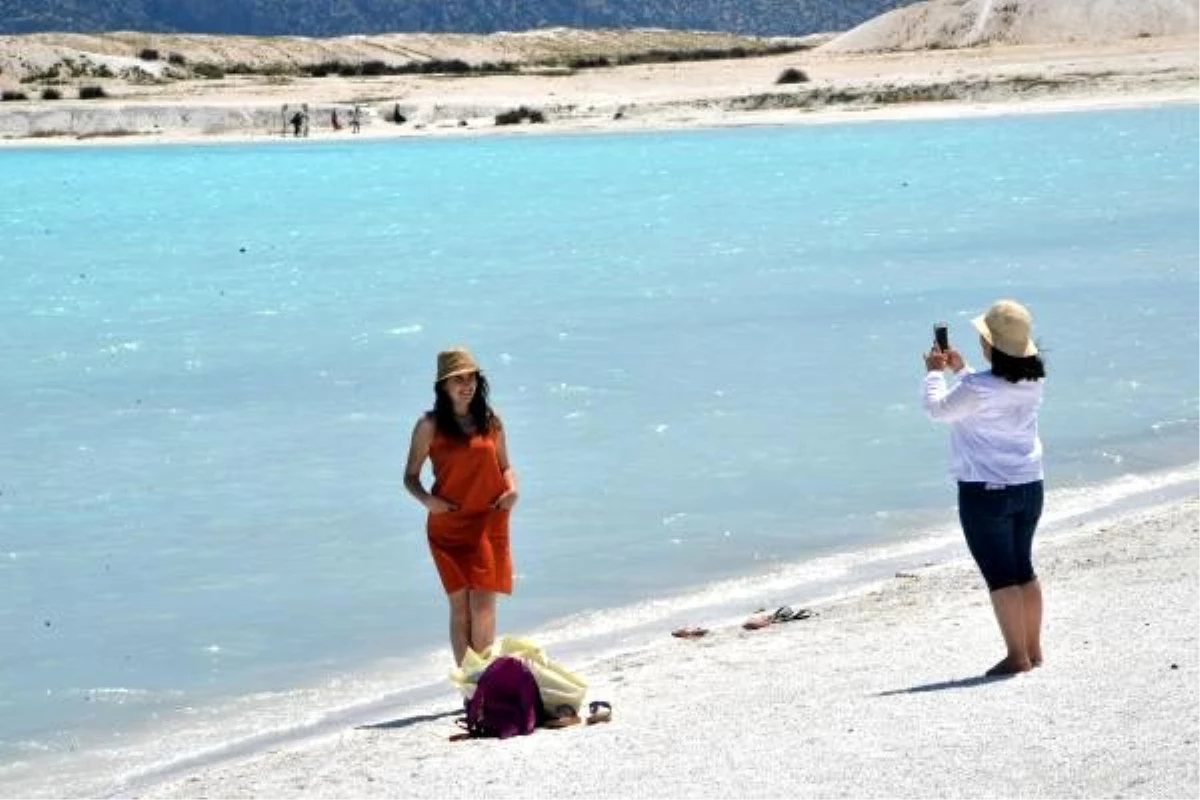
1008,327
455,361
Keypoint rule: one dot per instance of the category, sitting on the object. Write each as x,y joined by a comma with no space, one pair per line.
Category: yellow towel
557,685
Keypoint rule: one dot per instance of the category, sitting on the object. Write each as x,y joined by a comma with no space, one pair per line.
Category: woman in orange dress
474,489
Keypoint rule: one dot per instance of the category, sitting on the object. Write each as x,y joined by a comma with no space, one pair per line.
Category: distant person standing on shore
474,490
996,455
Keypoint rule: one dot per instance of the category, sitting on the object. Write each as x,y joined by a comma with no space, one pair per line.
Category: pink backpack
506,701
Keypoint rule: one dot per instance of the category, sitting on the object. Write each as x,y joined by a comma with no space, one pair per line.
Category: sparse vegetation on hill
457,66
792,75
519,115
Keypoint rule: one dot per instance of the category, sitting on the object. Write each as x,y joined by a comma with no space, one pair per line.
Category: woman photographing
996,458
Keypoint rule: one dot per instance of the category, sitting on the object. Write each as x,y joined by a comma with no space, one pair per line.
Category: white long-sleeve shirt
993,426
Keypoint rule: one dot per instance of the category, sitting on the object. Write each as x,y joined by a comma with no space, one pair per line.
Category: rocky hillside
341,17
944,24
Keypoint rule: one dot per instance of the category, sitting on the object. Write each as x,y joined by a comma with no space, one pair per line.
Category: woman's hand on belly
436,505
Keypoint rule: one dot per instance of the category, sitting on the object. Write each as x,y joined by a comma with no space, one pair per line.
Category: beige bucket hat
1008,327
455,361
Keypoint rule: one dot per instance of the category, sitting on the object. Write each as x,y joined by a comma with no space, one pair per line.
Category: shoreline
929,111
700,717
720,608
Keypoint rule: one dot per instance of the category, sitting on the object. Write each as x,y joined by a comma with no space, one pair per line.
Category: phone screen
941,336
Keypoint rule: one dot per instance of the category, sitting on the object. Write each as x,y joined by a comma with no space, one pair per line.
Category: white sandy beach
877,695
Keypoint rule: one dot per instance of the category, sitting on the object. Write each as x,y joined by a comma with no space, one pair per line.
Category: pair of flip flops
781,614
565,716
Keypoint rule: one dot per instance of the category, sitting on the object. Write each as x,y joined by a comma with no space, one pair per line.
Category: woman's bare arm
418,452
509,498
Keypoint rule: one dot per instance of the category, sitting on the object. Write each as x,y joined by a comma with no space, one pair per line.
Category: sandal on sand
781,614
564,717
789,614
599,711
689,633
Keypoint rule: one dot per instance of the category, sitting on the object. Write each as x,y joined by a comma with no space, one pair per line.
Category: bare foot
1010,666
1035,660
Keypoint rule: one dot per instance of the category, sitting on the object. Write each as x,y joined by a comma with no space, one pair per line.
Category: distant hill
342,17
941,24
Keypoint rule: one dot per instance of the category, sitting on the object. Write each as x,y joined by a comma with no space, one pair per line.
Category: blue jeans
999,522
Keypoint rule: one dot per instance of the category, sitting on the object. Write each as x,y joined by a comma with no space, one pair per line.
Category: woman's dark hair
446,421
1015,370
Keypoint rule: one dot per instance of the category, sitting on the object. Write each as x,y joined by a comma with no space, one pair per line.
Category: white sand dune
967,23
877,695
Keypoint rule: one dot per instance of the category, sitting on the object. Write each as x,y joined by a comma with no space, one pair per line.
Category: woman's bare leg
483,620
460,623
1031,597
1009,605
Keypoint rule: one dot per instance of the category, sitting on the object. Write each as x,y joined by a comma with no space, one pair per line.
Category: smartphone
941,336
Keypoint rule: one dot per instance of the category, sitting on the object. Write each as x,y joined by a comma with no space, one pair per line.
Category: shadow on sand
404,722
960,683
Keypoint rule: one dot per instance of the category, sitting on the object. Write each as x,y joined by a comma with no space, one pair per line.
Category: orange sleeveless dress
470,544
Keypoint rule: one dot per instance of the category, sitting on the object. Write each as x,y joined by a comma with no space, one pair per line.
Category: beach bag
506,701
557,685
